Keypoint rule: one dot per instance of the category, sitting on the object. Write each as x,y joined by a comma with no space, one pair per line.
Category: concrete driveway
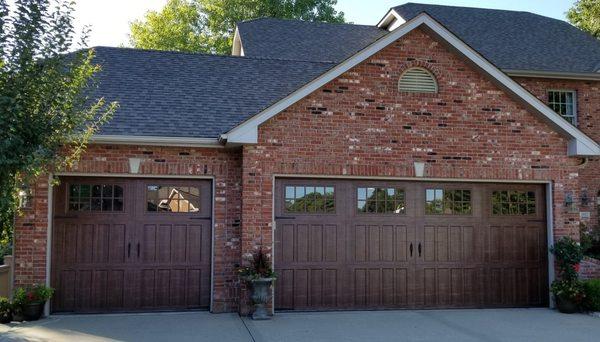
434,325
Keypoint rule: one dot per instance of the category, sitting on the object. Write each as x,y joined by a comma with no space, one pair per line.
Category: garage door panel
117,238
136,258
99,289
464,255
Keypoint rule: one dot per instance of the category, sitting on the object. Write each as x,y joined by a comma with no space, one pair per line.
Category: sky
109,19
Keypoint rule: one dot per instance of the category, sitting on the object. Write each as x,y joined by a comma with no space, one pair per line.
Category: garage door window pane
513,203
380,200
309,199
447,202
95,197
172,199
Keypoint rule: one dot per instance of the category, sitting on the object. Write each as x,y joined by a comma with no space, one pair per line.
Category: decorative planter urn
33,311
566,306
261,294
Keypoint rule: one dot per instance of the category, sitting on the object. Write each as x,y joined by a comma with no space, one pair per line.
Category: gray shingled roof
302,40
516,40
192,95
509,39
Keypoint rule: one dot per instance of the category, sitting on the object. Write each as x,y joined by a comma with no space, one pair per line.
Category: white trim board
579,144
155,141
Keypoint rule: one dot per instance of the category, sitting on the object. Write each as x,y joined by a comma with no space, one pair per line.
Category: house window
564,103
95,197
309,199
447,202
380,200
513,202
417,80
173,199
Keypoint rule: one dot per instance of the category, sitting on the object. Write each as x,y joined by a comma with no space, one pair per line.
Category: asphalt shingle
303,40
509,39
192,95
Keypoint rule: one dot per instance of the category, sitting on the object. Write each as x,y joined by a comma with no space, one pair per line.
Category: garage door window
309,199
513,203
380,200
173,199
447,202
95,197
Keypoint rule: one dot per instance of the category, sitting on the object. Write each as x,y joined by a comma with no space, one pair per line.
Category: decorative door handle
138,249
129,250
419,248
410,249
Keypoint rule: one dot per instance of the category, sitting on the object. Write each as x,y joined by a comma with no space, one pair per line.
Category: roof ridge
207,54
302,21
467,7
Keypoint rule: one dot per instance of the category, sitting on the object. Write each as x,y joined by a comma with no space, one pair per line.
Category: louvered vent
417,80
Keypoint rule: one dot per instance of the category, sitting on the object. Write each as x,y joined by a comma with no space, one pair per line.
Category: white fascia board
247,132
155,141
391,17
237,48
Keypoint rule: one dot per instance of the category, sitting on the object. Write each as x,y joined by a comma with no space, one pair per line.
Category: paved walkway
435,325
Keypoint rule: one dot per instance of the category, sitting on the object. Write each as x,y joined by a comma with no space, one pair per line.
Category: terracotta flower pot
33,311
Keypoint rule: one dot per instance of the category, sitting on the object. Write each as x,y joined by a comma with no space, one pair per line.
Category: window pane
289,192
117,204
96,191
84,191
309,199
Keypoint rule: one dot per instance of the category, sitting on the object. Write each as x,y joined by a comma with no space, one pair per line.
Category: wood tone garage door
373,245
131,244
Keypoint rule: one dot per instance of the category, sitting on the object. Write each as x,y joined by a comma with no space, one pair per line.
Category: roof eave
156,141
587,76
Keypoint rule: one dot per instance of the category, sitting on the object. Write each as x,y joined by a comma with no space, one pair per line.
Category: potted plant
260,276
5,310
568,289
30,301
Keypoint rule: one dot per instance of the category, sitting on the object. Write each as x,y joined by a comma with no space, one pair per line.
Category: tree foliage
585,14
177,27
208,25
46,118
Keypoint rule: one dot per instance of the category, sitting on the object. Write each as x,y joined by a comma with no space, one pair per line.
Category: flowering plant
259,266
571,290
34,294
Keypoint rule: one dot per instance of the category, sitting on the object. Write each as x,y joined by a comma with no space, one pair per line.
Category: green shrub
590,241
592,294
5,310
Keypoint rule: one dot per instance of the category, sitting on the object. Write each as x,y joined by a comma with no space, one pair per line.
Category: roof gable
579,144
513,40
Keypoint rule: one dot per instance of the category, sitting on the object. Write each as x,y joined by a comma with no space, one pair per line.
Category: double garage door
131,245
369,245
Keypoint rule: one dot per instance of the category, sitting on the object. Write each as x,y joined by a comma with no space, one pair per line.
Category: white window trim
572,91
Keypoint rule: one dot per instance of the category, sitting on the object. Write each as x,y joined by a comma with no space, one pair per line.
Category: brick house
425,162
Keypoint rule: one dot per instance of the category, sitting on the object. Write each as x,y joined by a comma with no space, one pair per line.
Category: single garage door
131,244
372,244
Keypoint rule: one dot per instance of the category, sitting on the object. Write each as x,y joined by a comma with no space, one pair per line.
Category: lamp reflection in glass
585,200
570,203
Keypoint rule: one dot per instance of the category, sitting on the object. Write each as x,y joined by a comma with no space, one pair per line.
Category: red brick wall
360,125
588,115
224,165
590,269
